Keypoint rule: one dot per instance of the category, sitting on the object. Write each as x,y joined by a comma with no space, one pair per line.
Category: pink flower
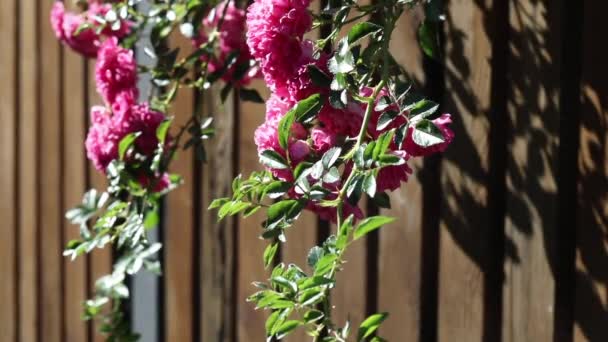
79,31
107,130
66,24
275,31
231,39
390,177
322,139
115,70
342,122
415,150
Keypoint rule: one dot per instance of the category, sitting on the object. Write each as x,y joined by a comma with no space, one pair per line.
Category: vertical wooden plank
533,106
8,107
465,249
73,117
250,322
348,298
178,240
399,264
100,260
217,249
591,297
28,171
51,217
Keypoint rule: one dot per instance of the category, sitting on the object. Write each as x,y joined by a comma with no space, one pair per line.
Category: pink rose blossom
115,71
69,29
275,31
107,130
390,177
66,24
322,139
415,150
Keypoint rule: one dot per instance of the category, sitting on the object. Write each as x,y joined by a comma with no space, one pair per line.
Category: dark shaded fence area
502,238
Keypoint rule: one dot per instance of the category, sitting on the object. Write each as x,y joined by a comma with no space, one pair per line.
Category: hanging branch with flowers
131,139
342,122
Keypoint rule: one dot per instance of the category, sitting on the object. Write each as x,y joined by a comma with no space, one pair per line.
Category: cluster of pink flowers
116,80
275,37
231,40
82,31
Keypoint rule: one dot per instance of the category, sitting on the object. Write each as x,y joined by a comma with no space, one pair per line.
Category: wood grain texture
217,238
51,216
74,181
28,171
399,260
100,260
8,177
250,322
591,297
465,225
178,235
534,111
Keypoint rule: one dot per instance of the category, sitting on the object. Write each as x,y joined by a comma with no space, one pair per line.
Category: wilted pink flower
415,150
115,70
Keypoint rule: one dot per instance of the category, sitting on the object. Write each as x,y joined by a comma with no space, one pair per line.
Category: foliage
350,76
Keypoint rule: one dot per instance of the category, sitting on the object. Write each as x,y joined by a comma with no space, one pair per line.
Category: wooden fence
503,238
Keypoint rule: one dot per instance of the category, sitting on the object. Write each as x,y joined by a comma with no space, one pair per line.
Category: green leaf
332,176
250,95
426,134
361,30
269,253
314,255
313,316
218,202
422,109
163,129
287,328
125,143
343,61
325,264
285,128
428,39
307,109
369,184
285,283
273,160
271,321
370,325
370,224
385,119
382,200
331,156
382,144
318,77
315,281
277,189
280,210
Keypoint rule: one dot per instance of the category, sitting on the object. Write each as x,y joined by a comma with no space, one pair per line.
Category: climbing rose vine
342,122
131,139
